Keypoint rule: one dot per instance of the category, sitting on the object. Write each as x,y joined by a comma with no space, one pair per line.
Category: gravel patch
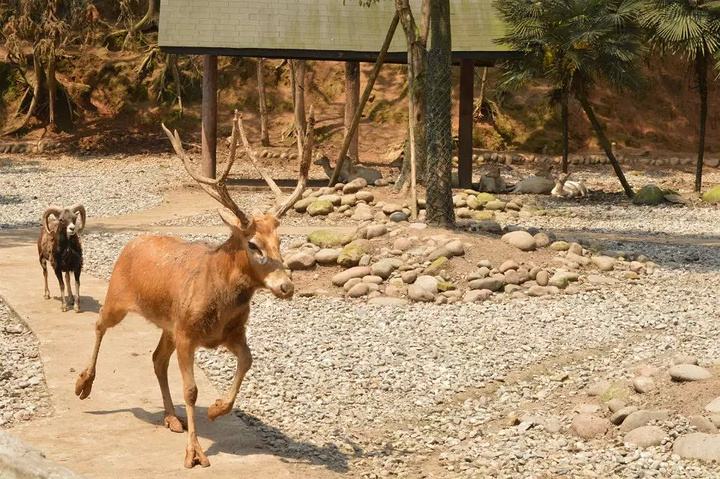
107,186
23,392
327,385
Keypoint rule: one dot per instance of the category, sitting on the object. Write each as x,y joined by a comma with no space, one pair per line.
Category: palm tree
690,28
574,44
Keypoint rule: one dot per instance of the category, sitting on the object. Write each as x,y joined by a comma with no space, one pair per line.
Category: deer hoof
219,408
194,455
77,306
84,383
174,424
46,295
64,307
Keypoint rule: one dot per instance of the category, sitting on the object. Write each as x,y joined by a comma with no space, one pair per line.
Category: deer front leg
244,360
77,290
161,359
185,353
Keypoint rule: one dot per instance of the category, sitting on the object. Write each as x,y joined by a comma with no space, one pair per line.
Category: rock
354,186
614,405
301,205
362,213
329,238
473,203
390,208
492,284
436,266
507,265
689,372
399,216
604,263
445,286
344,276
515,277
402,244
375,231
683,359
365,196
300,261
649,195
645,436
589,426
598,388
428,283
353,252
409,277
542,240
712,195
348,200
320,208
620,415
713,406
484,198
538,291
476,295
560,246
542,278
575,249
702,424
372,279
336,200
327,256
384,268
417,293
520,239
455,248
698,445
641,418
495,205
643,384
20,461
360,289
561,279
386,301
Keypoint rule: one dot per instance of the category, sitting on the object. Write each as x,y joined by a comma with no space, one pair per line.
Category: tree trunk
52,90
262,104
605,143
439,128
565,130
417,63
352,98
298,72
702,68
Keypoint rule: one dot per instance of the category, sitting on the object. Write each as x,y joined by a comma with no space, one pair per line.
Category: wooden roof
315,29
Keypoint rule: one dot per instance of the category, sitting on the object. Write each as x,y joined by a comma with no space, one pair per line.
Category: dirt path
116,432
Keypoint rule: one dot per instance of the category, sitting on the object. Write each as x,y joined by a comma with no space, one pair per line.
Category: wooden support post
209,116
465,129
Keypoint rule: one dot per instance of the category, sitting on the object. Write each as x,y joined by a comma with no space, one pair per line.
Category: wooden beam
465,129
363,100
209,116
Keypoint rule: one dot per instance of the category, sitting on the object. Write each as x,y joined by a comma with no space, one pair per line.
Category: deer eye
255,248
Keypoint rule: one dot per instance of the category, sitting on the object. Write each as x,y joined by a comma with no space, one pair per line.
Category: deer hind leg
43,264
185,354
109,317
161,359
244,360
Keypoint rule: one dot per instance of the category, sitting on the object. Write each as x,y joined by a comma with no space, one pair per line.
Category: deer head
256,236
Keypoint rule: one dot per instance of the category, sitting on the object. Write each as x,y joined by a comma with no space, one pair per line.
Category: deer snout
280,284
71,229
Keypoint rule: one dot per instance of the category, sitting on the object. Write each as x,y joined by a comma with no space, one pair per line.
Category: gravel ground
23,392
327,384
107,186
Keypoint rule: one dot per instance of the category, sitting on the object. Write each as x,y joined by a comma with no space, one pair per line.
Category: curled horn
52,210
80,208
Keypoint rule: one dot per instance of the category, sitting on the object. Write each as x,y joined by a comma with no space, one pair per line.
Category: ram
59,243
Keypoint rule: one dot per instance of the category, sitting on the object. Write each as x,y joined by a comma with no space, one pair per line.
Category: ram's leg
68,283
109,317
161,359
185,354
43,264
238,345
59,275
77,290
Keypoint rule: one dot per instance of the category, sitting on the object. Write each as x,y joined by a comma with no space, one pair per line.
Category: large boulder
645,436
649,195
520,239
712,195
698,445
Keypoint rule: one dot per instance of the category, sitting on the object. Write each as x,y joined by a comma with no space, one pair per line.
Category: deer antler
216,188
305,159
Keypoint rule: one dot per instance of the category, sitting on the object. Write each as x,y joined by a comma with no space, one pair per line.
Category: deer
199,295
566,188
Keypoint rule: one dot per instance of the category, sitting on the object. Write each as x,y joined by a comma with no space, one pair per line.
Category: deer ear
235,226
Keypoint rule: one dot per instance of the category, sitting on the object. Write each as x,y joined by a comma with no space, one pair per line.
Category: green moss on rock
712,195
329,238
649,195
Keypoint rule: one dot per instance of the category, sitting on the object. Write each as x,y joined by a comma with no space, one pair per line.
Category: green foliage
572,43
